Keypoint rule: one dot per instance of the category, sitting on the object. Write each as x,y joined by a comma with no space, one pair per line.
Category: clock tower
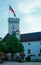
13,27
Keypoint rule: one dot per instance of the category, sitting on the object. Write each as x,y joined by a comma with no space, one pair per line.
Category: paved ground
18,63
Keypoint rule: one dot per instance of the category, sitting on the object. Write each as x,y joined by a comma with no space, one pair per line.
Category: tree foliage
14,45
3,47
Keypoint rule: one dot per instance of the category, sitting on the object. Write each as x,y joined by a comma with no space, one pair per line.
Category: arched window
17,30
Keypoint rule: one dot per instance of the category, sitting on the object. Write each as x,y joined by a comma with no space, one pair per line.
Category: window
40,51
29,51
29,44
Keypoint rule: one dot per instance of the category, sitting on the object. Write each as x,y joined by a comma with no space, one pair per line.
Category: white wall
34,46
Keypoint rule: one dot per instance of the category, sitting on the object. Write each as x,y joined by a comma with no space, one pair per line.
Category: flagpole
10,8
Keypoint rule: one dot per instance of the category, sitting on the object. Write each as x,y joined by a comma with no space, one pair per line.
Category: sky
29,12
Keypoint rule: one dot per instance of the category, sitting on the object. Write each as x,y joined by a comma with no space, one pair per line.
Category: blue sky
29,12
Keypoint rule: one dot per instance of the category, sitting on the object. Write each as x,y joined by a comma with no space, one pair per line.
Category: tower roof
13,20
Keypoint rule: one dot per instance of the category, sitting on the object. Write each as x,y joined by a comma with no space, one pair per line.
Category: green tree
0,46
3,47
14,45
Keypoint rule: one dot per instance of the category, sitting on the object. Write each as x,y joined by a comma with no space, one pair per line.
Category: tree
2,50
14,45
3,47
0,46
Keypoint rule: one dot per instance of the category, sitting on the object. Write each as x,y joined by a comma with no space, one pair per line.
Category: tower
13,27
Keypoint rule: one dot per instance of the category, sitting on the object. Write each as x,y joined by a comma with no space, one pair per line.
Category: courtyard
19,63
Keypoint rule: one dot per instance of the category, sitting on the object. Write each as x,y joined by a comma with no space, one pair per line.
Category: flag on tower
11,9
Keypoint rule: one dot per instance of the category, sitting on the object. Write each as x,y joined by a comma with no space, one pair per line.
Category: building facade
30,41
33,49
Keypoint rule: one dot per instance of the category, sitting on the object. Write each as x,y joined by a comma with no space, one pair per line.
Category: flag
10,8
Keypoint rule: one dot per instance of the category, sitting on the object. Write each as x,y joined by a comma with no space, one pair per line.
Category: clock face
13,27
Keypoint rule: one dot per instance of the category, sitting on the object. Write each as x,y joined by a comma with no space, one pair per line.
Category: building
13,27
30,41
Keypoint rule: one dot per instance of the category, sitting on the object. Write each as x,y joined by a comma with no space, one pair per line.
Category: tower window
17,30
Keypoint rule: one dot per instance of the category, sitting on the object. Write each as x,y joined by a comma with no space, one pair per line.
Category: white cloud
31,24
28,19
25,7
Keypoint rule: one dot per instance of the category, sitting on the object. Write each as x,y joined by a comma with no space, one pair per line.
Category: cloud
31,24
31,15
28,19
25,7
